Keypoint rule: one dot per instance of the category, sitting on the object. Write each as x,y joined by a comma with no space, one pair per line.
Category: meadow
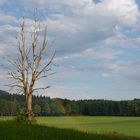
129,126
97,128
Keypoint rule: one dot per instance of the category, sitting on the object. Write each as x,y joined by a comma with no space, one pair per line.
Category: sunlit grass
16,131
129,126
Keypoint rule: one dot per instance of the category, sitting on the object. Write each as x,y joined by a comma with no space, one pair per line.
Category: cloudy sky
97,44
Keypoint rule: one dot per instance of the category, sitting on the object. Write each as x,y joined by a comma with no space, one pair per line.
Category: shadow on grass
10,130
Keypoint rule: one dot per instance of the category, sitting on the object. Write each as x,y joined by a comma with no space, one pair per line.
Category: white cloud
7,19
69,92
124,69
56,6
8,42
126,10
104,53
7,32
87,35
92,23
2,1
75,24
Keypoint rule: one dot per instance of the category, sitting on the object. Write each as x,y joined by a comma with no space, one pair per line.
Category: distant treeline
45,106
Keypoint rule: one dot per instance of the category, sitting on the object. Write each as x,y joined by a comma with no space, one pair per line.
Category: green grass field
91,126
129,126
10,130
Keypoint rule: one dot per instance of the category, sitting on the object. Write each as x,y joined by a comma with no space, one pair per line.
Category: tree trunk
29,108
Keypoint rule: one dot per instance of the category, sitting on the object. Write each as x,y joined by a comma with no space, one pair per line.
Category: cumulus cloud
126,10
91,36
8,32
7,19
75,24
125,69
2,2
88,22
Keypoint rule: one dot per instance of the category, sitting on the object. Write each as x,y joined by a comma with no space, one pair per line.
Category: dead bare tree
31,64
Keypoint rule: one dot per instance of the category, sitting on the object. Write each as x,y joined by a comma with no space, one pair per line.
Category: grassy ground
12,131
129,126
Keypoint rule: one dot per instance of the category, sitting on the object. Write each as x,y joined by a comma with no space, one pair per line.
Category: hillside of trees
45,106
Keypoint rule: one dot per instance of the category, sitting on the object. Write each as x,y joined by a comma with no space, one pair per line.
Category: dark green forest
10,104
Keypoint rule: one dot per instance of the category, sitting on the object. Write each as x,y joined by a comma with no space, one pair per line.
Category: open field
124,125
10,130
129,126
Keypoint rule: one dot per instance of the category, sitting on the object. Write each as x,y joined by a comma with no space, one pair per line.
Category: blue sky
97,44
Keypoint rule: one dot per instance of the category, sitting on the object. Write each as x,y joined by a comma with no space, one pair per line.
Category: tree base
24,117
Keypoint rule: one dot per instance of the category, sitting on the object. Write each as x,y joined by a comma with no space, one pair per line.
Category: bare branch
45,76
43,88
14,76
46,66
